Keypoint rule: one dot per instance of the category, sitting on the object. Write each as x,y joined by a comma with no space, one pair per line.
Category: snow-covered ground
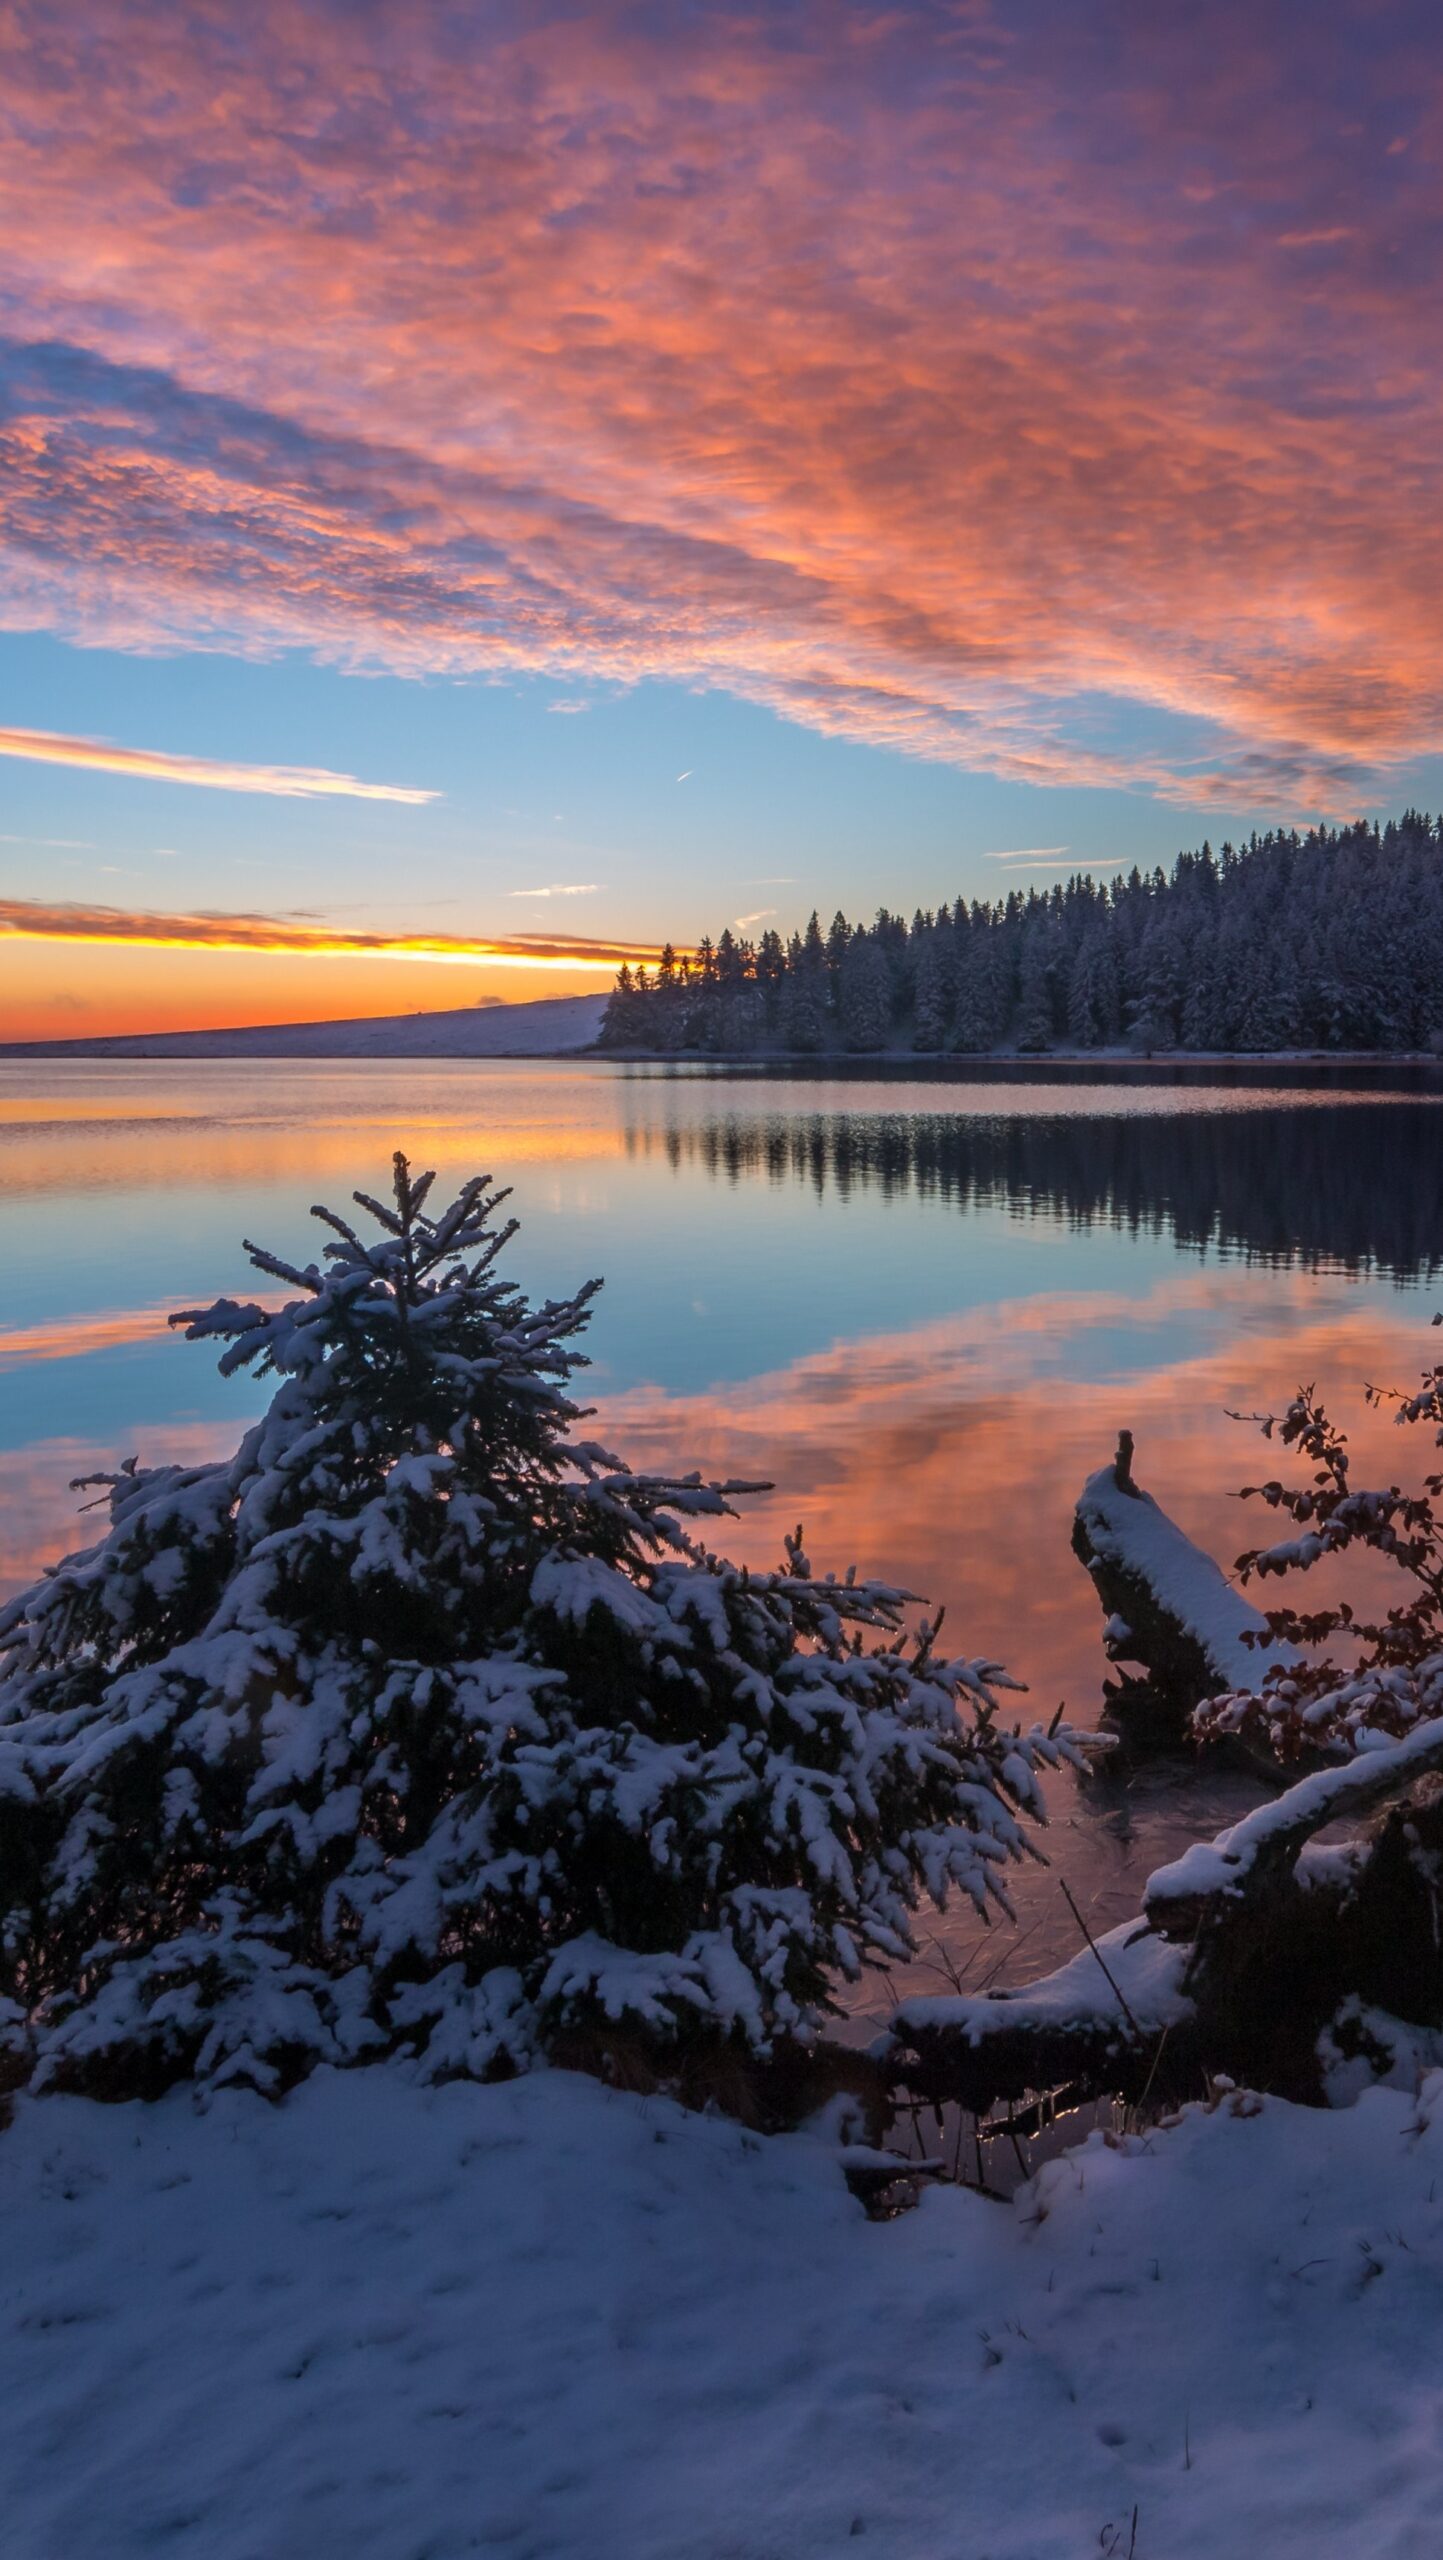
384,2324
550,1026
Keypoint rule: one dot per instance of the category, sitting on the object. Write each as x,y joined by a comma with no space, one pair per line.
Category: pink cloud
939,377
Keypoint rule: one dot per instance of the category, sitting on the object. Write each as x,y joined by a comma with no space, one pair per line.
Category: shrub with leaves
1396,1678
422,1726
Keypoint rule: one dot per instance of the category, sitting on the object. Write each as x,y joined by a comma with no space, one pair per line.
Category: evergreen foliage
423,1726
1332,940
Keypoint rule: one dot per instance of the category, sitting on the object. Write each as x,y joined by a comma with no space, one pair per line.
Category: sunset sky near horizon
484,488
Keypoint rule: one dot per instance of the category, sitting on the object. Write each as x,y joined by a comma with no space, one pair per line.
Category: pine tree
1034,1010
865,994
804,1015
932,1014
1089,1012
771,979
624,1024
423,1727
984,1000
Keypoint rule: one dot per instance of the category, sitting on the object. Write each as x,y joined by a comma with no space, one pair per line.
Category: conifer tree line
1329,940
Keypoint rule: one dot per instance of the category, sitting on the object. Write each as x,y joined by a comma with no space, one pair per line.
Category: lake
920,1304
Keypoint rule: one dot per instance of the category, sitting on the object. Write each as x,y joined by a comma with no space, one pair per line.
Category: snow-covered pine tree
865,989
1034,1010
931,1015
804,1006
625,1019
422,1726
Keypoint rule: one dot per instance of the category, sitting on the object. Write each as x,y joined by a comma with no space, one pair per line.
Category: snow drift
552,2321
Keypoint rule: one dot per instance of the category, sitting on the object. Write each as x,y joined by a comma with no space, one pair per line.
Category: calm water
921,1307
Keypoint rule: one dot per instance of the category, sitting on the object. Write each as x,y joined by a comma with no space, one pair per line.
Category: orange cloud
146,764
996,386
277,936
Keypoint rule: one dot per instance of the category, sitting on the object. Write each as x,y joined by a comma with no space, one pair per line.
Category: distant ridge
549,1027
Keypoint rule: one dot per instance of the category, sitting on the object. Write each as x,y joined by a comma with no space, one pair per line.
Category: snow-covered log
1168,1607
1198,1889
1256,1956
1096,2021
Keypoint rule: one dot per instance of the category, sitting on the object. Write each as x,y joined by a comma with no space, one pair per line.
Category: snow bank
1133,1535
547,1027
549,2320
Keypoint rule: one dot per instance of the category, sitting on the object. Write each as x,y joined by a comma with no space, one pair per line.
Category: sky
485,489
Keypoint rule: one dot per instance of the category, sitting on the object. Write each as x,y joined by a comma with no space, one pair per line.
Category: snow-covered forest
1330,940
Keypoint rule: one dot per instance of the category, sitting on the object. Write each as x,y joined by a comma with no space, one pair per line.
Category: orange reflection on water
122,1128
42,1519
947,1456
69,1337
950,1456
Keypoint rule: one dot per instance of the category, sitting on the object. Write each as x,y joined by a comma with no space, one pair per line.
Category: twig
1113,1984
1016,2145
1156,2059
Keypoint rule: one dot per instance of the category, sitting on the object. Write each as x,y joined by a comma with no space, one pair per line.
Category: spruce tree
931,1013
865,994
421,1727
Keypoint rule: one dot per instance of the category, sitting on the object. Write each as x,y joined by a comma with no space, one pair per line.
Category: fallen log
1255,1957
1169,1609
1098,2021
1204,1889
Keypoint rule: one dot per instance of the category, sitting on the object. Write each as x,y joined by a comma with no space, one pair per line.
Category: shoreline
292,1042
1031,1062
570,1026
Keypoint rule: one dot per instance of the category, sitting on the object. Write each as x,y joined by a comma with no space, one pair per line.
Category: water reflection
950,1457
1357,1187
922,1306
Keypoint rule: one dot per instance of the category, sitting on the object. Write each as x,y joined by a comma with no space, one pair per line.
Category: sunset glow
1045,396
276,935
102,970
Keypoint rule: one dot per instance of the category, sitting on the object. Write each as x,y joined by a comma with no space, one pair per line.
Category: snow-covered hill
552,1025
550,2320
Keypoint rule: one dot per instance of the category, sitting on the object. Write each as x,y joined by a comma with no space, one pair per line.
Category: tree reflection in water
1332,1181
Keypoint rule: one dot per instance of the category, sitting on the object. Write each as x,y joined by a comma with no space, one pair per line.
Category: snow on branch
1393,1680
1182,1897
422,1727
